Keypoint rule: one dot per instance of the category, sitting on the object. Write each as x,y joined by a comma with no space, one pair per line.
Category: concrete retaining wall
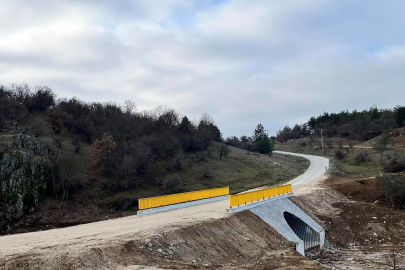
272,212
255,204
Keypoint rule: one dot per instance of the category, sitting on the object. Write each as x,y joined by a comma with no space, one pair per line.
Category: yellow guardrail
152,202
253,196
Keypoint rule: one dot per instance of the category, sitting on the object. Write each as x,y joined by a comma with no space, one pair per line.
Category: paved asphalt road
316,170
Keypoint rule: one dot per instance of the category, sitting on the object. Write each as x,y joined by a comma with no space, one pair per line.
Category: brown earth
362,234
241,241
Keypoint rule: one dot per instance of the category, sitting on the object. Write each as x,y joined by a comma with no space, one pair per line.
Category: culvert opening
310,237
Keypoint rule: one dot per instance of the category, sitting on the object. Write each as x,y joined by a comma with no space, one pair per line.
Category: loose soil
240,241
362,234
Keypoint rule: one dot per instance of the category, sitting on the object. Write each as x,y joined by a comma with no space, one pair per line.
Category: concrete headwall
291,222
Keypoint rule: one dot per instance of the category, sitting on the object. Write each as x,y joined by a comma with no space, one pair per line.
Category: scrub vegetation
65,162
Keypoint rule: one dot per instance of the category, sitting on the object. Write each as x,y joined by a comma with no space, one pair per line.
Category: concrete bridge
274,208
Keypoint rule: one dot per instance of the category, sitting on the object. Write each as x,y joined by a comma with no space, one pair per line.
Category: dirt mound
359,189
240,241
362,234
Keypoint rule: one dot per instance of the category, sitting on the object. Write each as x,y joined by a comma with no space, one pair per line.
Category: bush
206,172
340,154
77,142
58,142
154,172
223,150
363,157
263,146
202,156
172,184
395,166
37,128
126,204
176,163
394,187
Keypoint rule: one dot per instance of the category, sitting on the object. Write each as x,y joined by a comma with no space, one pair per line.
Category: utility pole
322,139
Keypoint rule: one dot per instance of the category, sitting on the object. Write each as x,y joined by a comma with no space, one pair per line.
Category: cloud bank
243,62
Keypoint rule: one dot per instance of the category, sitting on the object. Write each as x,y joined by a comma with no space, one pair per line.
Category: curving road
315,172
78,238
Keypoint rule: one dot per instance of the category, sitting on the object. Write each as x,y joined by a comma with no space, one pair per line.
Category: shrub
172,184
37,128
206,172
362,157
263,146
77,142
202,156
395,166
394,187
101,149
340,154
64,176
154,172
126,204
58,142
223,150
176,163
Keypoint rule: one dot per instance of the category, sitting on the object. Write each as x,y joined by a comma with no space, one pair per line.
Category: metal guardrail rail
159,201
258,195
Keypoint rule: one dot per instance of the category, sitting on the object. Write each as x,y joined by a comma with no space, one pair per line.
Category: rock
159,250
193,261
150,244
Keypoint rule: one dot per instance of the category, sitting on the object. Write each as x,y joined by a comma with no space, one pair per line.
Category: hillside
90,198
356,159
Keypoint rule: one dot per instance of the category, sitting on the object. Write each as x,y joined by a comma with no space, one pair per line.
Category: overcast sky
242,62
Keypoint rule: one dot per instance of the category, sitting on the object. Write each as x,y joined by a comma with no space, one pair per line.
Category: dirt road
76,238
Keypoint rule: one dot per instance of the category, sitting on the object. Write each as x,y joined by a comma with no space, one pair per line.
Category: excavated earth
362,235
241,241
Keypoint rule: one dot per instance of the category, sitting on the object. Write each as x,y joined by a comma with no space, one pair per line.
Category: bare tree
129,107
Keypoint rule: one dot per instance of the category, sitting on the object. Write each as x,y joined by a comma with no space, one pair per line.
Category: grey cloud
274,62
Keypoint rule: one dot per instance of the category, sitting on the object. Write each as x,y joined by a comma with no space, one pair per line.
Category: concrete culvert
310,237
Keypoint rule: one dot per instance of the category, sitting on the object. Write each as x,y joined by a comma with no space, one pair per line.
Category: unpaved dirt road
113,231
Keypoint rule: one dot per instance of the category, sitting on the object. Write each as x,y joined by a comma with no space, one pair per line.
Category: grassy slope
240,171
347,167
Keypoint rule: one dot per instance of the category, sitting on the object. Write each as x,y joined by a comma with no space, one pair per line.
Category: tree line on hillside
258,142
356,125
129,148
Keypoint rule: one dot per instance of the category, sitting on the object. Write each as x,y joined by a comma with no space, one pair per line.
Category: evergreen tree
400,116
258,133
